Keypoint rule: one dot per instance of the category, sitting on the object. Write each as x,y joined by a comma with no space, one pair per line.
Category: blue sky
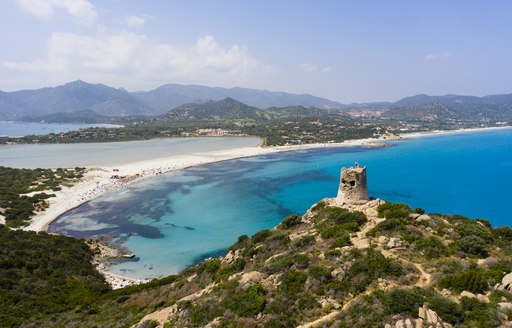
350,51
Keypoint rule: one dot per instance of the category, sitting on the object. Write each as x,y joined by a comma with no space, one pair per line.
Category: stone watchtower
353,189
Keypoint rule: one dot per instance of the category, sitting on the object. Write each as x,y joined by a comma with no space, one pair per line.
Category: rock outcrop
426,319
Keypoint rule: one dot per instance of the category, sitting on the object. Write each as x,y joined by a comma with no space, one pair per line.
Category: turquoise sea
178,219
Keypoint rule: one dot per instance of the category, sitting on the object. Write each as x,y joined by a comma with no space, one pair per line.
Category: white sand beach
99,180
441,132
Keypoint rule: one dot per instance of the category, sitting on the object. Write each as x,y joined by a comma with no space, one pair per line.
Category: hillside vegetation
24,191
43,276
371,265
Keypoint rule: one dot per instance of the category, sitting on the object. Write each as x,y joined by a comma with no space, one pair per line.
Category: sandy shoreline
441,132
98,181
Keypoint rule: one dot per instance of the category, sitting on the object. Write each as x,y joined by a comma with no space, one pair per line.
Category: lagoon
21,129
180,218
112,153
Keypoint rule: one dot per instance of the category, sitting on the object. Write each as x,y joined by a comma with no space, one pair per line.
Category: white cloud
134,61
135,21
82,10
313,68
308,67
437,56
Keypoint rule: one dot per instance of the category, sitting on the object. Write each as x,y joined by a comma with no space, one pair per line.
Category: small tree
472,245
290,221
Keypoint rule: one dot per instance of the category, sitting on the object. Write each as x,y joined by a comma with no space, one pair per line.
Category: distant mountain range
169,96
79,96
80,101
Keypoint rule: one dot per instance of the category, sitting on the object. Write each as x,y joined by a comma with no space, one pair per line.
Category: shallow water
111,153
177,219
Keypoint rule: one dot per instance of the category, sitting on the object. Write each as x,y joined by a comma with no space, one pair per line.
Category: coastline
443,132
99,180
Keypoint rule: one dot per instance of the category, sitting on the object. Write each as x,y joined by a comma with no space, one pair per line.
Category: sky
348,51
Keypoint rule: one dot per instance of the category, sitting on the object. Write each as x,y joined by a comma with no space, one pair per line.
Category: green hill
364,266
371,265
226,109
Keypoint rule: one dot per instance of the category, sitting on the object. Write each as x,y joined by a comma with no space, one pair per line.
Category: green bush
404,301
260,236
237,266
247,302
478,314
471,303
281,321
350,226
282,263
318,206
305,242
365,312
333,231
341,241
432,247
419,210
472,228
202,313
496,272
319,272
277,241
503,233
380,307
339,215
292,282
301,260
369,268
387,225
394,211
212,266
472,245
290,221
344,217
332,253
447,309
279,264
242,241
473,280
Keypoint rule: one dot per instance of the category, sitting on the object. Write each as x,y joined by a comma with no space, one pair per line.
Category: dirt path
425,278
360,241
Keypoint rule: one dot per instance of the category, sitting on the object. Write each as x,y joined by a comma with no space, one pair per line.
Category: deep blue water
175,220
